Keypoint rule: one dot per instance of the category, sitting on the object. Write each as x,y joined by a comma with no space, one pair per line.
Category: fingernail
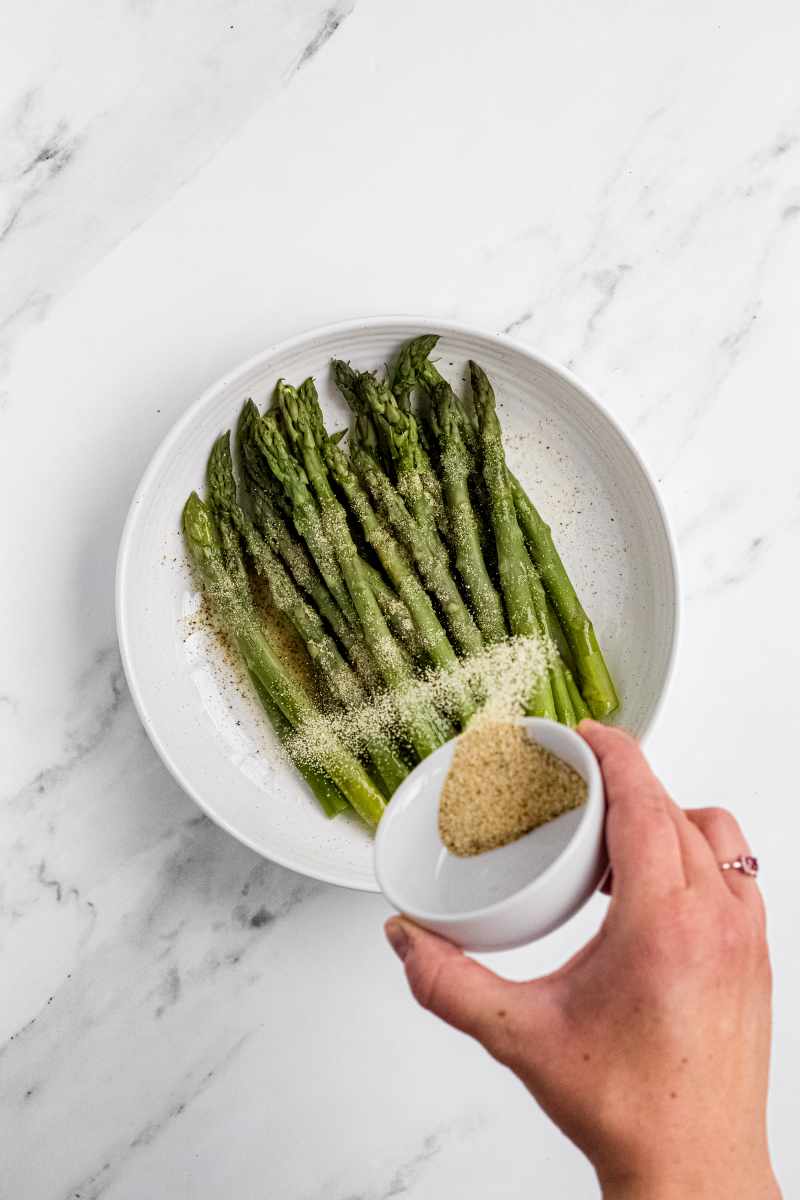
398,937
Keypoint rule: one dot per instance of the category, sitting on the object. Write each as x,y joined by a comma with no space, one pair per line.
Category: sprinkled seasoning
501,785
500,679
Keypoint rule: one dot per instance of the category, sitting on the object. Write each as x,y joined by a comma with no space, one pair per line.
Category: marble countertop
183,184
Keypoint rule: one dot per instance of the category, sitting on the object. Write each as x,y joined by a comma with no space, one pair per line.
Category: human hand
650,1047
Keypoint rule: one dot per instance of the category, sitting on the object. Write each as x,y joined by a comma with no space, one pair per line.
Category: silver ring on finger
746,864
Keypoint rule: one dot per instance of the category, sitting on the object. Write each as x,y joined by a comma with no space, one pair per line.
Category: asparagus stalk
230,599
432,637
404,379
339,680
423,726
556,671
272,527
415,477
579,705
465,532
429,556
595,680
305,513
394,609
433,383
373,439
304,571
407,368
331,800
382,424
427,376
510,546
258,478
557,635
396,612
393,560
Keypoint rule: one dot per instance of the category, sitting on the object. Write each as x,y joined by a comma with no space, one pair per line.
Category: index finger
642,840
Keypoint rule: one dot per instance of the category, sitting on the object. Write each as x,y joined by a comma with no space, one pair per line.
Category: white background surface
182,184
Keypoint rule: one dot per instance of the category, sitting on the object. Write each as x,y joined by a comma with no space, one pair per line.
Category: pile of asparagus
412,551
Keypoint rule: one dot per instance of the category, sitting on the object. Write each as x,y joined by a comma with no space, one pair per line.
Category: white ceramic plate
583,474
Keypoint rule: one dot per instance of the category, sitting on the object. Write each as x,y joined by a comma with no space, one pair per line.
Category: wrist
701,1184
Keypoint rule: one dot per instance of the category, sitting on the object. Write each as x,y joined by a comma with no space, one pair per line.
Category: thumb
461,991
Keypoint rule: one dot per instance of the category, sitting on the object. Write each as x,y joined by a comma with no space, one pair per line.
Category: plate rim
176,431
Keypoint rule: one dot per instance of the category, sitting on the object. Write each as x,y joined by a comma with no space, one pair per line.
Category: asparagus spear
407,368
295,556
335,675
433,383
415,477
432,636
331,800
510,546
423,726
305,513
394,609
346,377
373,439
272,527
230,598
393,560
259,479
430,559
465,532
417,353
556,672
340,681
433,565
404,378
557,635
428,377
595,680
386,429
579,705
396,612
